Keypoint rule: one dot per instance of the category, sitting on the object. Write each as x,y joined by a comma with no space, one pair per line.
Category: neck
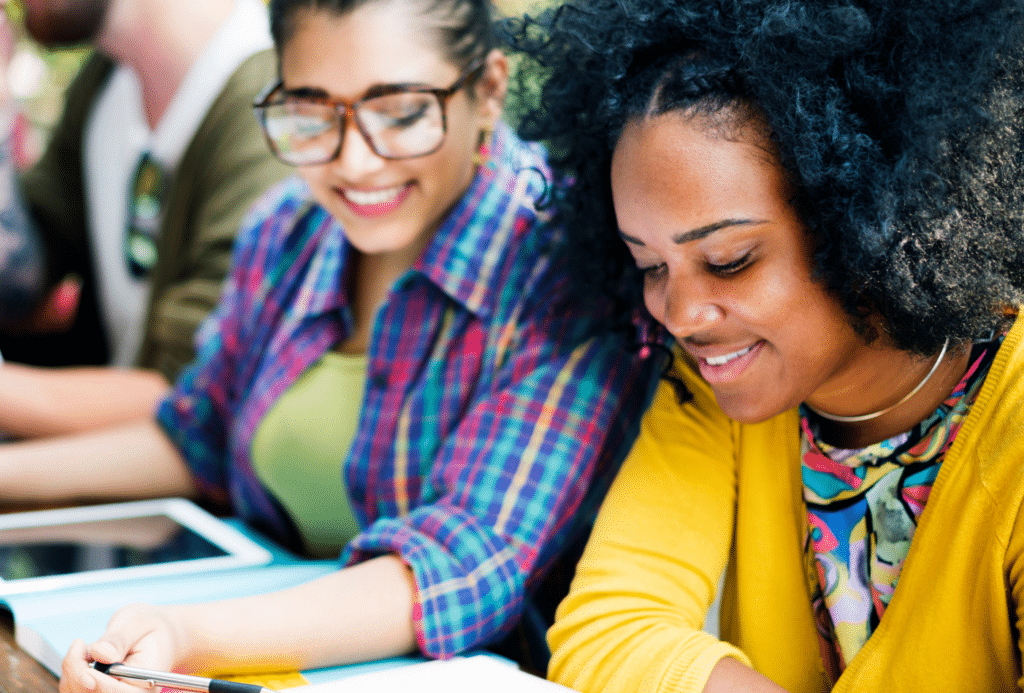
894,376
160,40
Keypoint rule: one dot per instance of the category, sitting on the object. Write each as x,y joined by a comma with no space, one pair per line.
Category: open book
46,623
48,617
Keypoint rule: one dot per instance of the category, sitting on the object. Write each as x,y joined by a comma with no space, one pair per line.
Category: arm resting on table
39,402
123,463
359,613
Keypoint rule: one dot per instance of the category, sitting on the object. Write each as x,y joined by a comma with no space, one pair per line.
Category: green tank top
300,447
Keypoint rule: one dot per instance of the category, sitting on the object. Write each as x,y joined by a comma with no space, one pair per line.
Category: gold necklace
875,414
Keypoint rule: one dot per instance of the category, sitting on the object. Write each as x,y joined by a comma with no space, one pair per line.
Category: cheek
315,176
654,299
779,294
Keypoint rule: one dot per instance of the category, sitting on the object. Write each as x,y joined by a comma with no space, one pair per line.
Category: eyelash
729,267
724,270
650,272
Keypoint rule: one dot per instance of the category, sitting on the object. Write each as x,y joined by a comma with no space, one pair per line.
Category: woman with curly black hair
820,202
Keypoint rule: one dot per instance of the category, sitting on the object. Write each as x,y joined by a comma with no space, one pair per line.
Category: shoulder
514,206
234,102
992,431
252,75
284,216
85,89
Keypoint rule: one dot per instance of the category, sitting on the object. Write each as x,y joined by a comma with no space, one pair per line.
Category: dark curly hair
898,121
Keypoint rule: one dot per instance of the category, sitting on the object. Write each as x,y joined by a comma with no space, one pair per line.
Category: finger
126,628
75,673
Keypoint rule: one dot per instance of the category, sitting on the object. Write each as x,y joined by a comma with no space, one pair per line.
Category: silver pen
182,681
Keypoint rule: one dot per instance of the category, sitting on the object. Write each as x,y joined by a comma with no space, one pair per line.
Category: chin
748,409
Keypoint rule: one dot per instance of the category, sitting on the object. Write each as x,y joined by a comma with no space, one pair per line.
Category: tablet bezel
241,551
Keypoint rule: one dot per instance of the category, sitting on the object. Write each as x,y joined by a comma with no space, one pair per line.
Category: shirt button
379,380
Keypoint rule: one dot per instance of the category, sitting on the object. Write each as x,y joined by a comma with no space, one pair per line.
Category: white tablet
53,549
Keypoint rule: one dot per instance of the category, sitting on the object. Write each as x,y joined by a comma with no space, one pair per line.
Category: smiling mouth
371,198
726,358
375,203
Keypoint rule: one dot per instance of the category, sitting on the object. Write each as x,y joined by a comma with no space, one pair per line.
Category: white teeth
368,198
722,360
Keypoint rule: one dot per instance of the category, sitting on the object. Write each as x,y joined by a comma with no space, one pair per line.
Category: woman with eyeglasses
820,201
396,370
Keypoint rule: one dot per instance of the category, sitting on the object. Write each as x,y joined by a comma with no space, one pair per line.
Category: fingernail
89,682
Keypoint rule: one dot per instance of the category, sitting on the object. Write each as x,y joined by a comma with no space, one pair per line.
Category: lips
375,203
724,368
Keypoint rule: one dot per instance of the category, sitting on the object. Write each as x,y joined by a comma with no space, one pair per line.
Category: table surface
20,673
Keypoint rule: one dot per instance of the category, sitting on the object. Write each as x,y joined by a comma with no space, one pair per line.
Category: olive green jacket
222,172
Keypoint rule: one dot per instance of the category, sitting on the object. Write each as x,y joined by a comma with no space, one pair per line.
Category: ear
491,89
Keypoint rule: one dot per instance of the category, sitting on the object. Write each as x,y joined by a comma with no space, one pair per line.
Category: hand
142,635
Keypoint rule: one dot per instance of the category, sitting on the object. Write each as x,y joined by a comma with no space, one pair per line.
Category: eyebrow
698,233
375,90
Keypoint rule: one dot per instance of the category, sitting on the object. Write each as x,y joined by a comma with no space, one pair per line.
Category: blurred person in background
116,242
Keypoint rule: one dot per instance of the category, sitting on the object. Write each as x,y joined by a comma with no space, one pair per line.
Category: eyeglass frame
344,108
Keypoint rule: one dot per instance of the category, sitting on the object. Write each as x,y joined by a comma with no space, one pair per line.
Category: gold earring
483,150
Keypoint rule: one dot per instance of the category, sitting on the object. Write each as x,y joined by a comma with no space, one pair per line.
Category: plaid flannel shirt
491,413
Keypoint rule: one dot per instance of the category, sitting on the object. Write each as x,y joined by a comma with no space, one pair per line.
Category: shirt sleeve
511,477
633,618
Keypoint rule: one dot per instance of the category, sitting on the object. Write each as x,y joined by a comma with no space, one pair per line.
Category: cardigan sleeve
1015,583
633,618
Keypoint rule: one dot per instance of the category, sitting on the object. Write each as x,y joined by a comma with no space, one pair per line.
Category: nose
356,157
686,307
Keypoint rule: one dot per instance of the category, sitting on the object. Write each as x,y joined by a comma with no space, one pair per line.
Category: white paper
459,675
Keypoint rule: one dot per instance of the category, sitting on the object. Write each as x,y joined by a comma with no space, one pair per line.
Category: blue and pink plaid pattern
489,409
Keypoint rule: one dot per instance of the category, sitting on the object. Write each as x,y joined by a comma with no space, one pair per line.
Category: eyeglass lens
400,125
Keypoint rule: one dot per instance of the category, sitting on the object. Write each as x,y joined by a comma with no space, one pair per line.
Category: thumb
107,651
126,628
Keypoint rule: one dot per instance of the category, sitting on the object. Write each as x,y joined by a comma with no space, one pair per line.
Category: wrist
185,633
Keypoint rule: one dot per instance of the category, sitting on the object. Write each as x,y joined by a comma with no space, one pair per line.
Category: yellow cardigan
700,490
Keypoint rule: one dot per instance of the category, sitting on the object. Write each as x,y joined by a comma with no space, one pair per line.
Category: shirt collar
465,256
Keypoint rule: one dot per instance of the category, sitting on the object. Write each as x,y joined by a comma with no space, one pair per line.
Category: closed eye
652,271
728,268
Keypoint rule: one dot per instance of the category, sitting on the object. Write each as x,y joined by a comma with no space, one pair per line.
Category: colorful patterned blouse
862,509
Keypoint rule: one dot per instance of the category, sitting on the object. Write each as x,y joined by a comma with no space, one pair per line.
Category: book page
459,675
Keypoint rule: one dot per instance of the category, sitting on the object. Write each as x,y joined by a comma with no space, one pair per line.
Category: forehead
386,42
676,172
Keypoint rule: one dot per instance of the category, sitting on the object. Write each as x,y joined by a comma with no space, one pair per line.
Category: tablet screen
40,551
